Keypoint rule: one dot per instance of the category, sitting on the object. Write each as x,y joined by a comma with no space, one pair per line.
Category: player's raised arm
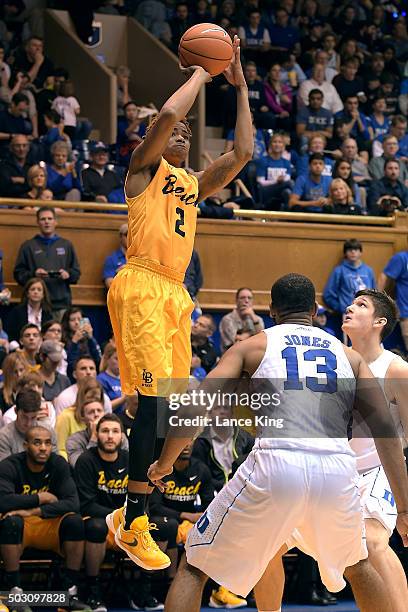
149,152
225,168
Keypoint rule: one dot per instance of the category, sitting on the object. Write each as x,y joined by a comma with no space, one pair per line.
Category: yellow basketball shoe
223,598
114,519
139,545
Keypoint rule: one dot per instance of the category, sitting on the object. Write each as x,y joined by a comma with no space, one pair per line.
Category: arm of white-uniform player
372,405
222,377
396,390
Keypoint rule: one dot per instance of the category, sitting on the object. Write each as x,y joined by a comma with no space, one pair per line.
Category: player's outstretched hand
190,70
156,473
402,527
234,73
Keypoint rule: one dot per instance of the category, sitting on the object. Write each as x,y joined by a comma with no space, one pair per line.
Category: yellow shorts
150,311
42,534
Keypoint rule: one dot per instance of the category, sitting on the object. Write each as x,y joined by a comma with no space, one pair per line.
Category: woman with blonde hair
14,366
37,180
341,199
71,420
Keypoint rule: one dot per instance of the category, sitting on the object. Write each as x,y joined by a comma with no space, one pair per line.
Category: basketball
206,45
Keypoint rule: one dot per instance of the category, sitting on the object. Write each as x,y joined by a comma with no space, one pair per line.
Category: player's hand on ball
156,473
190,70
234,73
402,527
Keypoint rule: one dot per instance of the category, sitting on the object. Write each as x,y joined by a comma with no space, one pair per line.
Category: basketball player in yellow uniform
149,308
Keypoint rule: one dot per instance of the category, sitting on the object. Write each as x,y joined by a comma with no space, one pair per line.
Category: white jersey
363,446
309,371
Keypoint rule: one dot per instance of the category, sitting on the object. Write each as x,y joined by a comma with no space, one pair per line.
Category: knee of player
377,542
72,528
11,530
358,571
96,530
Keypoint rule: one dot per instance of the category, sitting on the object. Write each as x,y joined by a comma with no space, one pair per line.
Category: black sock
72,577
135,506
92,581
13,579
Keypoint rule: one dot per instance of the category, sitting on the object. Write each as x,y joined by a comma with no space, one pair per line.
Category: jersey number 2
180,222
328,368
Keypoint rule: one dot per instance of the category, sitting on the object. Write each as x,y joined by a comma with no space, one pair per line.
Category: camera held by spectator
389,204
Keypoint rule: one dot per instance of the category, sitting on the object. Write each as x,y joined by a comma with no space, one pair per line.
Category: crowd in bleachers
313,69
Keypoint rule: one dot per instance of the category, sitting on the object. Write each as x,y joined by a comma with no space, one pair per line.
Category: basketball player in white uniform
370,318
368,321
305,479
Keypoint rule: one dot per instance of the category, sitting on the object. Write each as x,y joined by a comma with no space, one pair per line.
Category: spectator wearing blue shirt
357,124
283,36
314,120
387,190
291,73
379,123
255,39
116,260
55,132
311,192
110,379
131,129
273,176
14,121
62,177
399,130
394,278
317,144
350,276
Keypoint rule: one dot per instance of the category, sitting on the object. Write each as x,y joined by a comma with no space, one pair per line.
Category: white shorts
273,493
376,498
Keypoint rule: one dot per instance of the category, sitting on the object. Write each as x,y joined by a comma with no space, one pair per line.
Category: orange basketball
206,45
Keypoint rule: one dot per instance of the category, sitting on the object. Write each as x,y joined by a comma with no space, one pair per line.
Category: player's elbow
169,113
244,153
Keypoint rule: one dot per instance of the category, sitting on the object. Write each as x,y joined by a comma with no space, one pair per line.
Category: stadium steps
214,143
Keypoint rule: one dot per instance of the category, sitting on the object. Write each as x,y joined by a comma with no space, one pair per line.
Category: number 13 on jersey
327,367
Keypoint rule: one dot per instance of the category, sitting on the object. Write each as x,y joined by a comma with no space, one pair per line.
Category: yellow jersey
162,219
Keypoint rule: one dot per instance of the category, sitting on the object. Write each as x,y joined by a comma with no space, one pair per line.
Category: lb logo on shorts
147,378
203,523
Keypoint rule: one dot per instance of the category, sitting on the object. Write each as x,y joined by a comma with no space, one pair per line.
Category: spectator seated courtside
242,317
78,338
84,367
28,410
35,308
99,182
40,509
